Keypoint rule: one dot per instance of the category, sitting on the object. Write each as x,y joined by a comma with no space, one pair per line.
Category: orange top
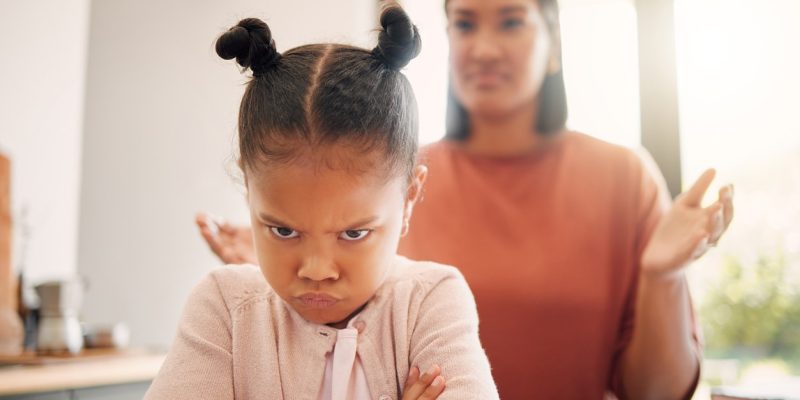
550,244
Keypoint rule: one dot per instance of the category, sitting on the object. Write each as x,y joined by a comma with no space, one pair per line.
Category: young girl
327,137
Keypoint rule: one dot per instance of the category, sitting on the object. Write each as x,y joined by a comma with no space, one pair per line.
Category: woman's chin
492,109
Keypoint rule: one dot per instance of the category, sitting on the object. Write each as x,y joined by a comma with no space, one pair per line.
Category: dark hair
320,94
552,113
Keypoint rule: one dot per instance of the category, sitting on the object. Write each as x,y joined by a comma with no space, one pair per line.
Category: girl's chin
324,318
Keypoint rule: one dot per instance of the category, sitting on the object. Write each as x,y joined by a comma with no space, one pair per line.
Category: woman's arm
662,360
199,363
445,333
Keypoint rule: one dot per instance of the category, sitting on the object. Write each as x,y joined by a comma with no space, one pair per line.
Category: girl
327,138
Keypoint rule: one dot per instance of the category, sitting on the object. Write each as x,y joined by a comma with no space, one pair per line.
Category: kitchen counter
61,379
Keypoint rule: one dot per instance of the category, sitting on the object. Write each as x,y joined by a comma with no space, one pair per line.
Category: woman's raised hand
232,244
688,230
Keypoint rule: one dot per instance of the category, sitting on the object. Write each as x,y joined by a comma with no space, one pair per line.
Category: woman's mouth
486,79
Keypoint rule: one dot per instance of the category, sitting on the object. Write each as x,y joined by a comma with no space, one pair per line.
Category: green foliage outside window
753,312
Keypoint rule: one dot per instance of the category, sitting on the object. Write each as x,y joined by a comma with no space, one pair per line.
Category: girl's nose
318,268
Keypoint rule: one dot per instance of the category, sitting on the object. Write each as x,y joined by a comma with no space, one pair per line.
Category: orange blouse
550,244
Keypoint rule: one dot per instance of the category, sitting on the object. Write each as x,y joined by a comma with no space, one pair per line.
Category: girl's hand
426,387
232,244
687,230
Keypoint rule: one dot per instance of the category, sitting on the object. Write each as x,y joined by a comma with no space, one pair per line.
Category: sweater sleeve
199,364
446,333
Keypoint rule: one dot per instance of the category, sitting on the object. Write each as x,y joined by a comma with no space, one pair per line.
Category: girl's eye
353,235
512,23
464,25
283,233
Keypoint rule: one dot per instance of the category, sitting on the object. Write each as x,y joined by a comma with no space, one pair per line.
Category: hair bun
399,41
251,43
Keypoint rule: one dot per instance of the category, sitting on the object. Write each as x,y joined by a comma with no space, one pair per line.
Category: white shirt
344,375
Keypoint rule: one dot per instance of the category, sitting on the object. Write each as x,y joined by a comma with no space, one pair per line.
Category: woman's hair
551,117
313,96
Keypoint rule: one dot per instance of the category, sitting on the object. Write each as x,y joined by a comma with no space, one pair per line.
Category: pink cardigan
238,339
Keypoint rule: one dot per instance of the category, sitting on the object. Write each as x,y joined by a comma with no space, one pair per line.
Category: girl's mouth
318,300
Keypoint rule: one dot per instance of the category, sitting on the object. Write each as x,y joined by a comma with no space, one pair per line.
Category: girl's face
326,238
500,52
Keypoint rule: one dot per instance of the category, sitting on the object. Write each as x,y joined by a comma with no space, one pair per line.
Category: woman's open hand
687,230
232,244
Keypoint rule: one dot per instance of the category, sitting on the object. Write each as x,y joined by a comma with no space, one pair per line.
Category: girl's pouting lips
317,300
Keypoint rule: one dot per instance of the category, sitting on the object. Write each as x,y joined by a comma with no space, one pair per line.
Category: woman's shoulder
585,146
594,148
435,153
603,157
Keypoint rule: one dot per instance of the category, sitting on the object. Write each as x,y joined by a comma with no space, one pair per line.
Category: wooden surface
6,292
33,358
81,374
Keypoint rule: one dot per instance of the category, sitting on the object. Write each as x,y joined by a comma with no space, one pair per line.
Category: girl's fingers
434,389
418,389
413,376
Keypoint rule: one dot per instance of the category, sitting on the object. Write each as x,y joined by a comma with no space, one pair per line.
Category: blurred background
119,120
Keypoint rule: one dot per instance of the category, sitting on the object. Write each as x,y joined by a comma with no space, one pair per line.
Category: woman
550,227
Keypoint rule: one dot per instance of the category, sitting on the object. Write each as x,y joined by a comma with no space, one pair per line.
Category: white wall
42,78
160,118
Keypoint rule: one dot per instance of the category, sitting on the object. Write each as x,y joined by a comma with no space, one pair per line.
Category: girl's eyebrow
364,222
270,220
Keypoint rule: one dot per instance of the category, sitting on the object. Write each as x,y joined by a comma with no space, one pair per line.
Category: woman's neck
508,135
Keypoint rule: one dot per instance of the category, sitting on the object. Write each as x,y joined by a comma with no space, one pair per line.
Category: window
739,94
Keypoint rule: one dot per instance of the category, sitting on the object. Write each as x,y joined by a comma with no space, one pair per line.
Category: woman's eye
353,235
283,233
464,26
512,23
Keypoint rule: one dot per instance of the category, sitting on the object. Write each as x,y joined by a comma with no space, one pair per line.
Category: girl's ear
413,194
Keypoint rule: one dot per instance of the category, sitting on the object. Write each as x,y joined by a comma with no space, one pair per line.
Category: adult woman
565,240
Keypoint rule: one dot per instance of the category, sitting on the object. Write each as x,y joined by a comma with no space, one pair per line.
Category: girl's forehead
347,180
337,162
315,199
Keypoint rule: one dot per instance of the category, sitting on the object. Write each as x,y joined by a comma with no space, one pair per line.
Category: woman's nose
485,47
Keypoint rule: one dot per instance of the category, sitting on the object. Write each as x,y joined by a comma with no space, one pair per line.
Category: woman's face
326,238
500,52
